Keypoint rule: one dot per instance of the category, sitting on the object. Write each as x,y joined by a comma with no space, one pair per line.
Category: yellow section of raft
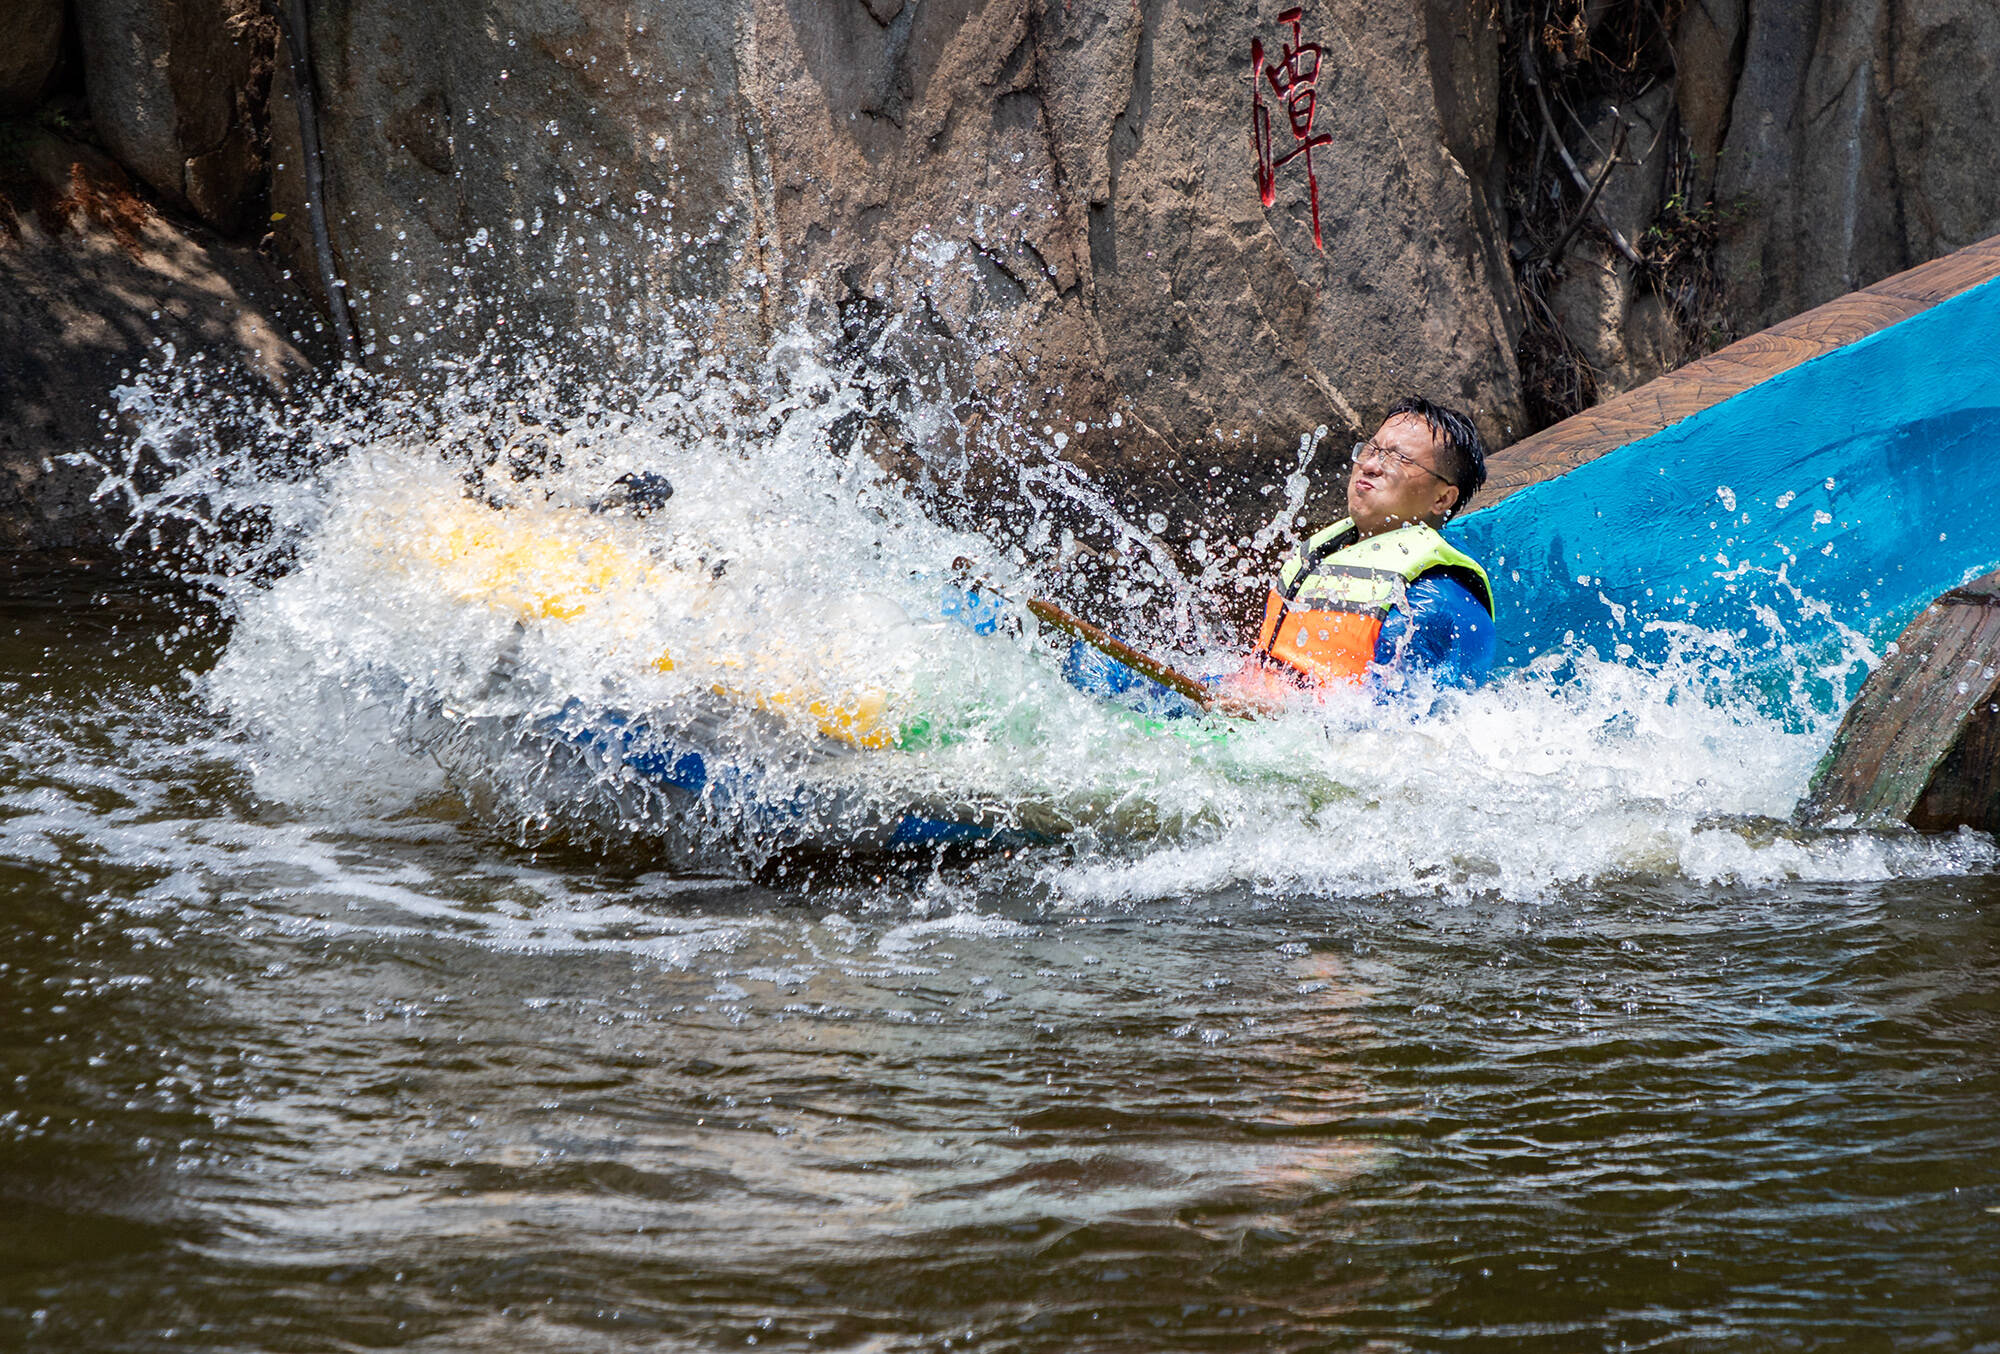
555,564
532,568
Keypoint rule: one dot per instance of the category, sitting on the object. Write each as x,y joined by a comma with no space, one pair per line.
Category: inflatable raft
679,682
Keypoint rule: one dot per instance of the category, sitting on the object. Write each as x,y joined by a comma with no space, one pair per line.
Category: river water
1531,1025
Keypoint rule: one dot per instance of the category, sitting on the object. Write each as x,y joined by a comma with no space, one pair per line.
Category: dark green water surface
280,1079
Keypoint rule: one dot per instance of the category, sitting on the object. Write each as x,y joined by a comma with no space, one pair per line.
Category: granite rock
30,39
1860,141
1621,327
93,283
1058,195
177,93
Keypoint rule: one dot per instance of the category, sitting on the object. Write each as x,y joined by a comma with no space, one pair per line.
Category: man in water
1377,598
1380,593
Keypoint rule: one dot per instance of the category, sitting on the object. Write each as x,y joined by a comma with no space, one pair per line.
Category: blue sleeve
1100,675
1445,634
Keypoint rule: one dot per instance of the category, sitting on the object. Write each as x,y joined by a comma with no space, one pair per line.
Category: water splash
426,597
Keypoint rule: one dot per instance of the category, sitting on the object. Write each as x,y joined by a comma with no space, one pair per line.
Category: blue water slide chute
1827,504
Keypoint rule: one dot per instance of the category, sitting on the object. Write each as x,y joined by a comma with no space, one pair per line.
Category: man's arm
1444,634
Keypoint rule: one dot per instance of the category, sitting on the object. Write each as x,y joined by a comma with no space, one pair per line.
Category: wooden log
1921,744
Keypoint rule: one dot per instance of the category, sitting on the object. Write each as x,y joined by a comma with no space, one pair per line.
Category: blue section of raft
660,758
1844,493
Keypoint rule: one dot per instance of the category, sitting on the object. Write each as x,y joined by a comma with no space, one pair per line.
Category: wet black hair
1461,450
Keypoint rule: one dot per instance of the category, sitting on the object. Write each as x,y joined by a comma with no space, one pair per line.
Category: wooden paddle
1051,614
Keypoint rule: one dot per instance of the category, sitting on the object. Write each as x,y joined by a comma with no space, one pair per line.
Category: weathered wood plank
1965,788
1915,745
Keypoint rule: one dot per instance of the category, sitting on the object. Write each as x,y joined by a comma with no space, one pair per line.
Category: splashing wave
423,596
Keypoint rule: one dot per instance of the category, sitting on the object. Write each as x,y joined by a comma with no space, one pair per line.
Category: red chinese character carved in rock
1295,81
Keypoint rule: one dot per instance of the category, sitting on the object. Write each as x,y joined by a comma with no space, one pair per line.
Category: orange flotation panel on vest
1320,645
1324,616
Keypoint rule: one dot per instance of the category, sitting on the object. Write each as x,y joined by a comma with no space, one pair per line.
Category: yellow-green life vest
1325,612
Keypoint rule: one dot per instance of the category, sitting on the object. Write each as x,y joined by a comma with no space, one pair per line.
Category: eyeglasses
1390,455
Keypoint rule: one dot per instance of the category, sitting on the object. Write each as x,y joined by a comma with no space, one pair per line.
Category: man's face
1395,479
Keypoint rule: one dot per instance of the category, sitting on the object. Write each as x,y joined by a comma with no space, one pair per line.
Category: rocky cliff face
1051,208
560,172
1860,139
1058,198
30,41
1777,156
94,281
1073,188
178,92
